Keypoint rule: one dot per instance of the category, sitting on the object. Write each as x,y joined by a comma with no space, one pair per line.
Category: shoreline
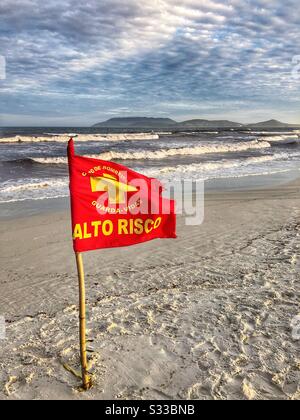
29,208
207,316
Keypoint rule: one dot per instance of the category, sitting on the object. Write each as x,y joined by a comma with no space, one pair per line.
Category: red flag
113,206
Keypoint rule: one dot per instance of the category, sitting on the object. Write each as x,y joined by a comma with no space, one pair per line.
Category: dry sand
207,316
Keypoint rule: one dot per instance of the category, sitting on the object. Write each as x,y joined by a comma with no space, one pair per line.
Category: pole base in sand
86,378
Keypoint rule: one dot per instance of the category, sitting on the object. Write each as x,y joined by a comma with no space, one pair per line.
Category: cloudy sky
75,62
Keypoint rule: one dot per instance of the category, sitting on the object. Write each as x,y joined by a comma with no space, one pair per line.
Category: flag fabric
113,206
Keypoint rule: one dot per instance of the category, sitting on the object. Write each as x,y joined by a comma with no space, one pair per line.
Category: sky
76,63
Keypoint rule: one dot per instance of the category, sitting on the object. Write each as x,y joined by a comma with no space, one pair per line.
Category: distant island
139,122
272,124
167,123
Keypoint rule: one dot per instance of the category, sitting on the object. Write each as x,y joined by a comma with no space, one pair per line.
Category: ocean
33,164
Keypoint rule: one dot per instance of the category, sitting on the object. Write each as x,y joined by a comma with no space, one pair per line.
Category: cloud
72,57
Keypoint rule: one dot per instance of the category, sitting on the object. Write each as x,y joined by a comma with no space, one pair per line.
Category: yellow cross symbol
116,190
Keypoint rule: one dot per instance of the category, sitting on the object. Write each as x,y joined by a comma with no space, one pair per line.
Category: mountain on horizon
209,124
168,123
271,124
137,122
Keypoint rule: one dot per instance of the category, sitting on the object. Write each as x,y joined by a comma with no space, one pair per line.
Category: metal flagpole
86,379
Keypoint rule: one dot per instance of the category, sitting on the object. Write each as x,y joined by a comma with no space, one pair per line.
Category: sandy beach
110,113
206,316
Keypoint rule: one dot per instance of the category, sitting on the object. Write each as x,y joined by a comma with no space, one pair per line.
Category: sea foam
165,153
33,189
283,139
39,189
233,168
81,138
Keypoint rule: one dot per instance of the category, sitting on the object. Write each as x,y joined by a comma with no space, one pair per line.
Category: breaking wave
33,189
165,153
275,133
282,139
82,138
39,189
225,169
186,151
32,186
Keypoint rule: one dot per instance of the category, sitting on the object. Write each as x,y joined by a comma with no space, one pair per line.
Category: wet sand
207,316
